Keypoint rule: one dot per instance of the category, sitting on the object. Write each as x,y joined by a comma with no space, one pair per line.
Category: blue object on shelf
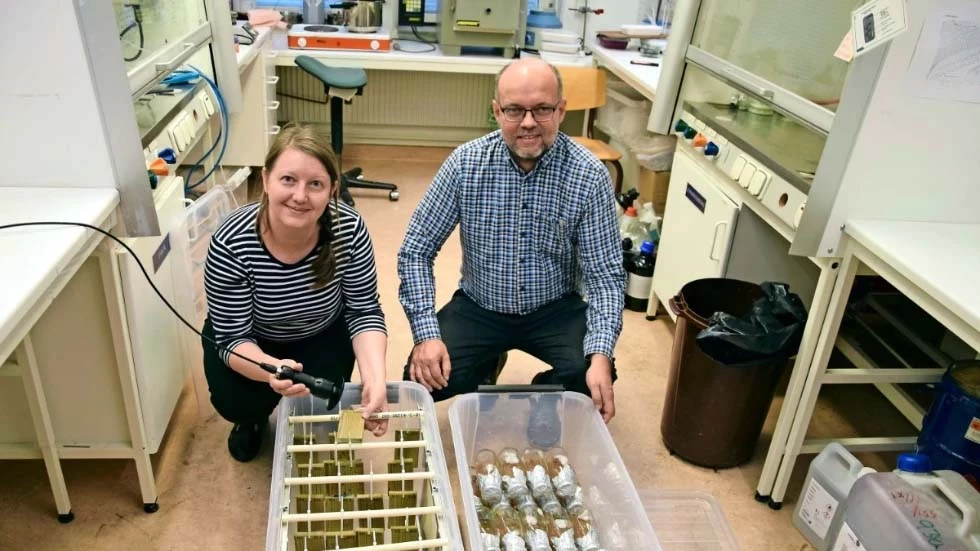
914,463
950,434
167,155
543,20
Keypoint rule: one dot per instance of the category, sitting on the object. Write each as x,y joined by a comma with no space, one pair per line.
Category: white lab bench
102,359
387,101
933,264
430,62
403,86
643,78
42,264
395,107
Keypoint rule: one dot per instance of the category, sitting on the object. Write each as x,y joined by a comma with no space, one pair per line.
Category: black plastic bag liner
772,329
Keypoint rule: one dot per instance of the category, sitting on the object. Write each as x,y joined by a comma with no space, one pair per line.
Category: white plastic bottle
885,512
819,511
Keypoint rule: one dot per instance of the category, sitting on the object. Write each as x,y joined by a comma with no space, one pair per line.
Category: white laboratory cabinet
699,210
80,373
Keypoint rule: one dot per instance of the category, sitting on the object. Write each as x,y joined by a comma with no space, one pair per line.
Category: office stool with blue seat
340,82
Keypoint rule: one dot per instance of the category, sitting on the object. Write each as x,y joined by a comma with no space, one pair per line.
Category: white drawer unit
253,129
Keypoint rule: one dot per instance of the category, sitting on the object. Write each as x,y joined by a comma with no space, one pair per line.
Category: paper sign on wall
877,22
846,49
946,61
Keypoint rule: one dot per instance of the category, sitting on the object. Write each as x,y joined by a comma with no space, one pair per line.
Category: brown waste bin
713,413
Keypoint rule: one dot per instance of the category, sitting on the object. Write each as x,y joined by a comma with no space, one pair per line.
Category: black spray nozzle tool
321,388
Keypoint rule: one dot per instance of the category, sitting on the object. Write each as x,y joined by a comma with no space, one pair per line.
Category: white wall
913,158
52,133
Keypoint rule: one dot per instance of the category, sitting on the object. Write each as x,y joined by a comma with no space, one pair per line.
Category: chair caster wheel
393,195
66,518
151,507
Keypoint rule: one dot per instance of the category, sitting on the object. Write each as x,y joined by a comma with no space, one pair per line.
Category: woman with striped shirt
291,281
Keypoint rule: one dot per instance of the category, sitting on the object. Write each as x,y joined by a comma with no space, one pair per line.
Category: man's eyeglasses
541,114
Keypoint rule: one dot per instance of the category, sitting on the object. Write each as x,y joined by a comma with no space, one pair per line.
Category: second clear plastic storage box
498,421
687,520
326,504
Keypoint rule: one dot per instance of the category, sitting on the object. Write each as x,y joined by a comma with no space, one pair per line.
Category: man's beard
518,157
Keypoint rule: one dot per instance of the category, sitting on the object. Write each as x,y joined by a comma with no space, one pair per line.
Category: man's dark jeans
476,337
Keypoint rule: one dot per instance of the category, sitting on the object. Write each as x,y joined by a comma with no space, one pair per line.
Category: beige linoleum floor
209,501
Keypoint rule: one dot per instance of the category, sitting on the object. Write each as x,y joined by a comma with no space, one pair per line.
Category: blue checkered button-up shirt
528,238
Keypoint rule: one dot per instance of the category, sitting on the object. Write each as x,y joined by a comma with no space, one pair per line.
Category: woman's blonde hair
305,138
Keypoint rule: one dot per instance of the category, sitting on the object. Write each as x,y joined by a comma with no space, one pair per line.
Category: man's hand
430,364
374,399
599,380
287,387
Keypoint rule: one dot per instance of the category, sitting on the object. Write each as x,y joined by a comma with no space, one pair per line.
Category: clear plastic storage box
201,219
688,521
413,433
497,421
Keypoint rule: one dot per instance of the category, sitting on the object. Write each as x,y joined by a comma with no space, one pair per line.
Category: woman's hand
286,387
374,398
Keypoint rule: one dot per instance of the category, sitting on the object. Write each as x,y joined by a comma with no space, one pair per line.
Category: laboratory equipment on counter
417,13
482,24
731,159
330,37
313,12
361,16
542,18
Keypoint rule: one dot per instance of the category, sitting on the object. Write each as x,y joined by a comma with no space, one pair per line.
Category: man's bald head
528,68
528,108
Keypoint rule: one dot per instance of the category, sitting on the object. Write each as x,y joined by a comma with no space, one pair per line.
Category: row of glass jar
531,501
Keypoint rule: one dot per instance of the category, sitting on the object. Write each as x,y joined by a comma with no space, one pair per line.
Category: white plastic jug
886,512
819,511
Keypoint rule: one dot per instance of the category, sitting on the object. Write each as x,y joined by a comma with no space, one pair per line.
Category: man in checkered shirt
542,261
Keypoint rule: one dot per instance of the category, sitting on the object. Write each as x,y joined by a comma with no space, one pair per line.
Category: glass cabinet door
155,33
790,43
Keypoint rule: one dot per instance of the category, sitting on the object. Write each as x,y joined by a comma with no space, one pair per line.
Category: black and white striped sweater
252,294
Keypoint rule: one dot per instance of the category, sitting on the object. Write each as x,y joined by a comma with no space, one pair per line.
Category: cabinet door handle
272,80
275,130
714,241
273,105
